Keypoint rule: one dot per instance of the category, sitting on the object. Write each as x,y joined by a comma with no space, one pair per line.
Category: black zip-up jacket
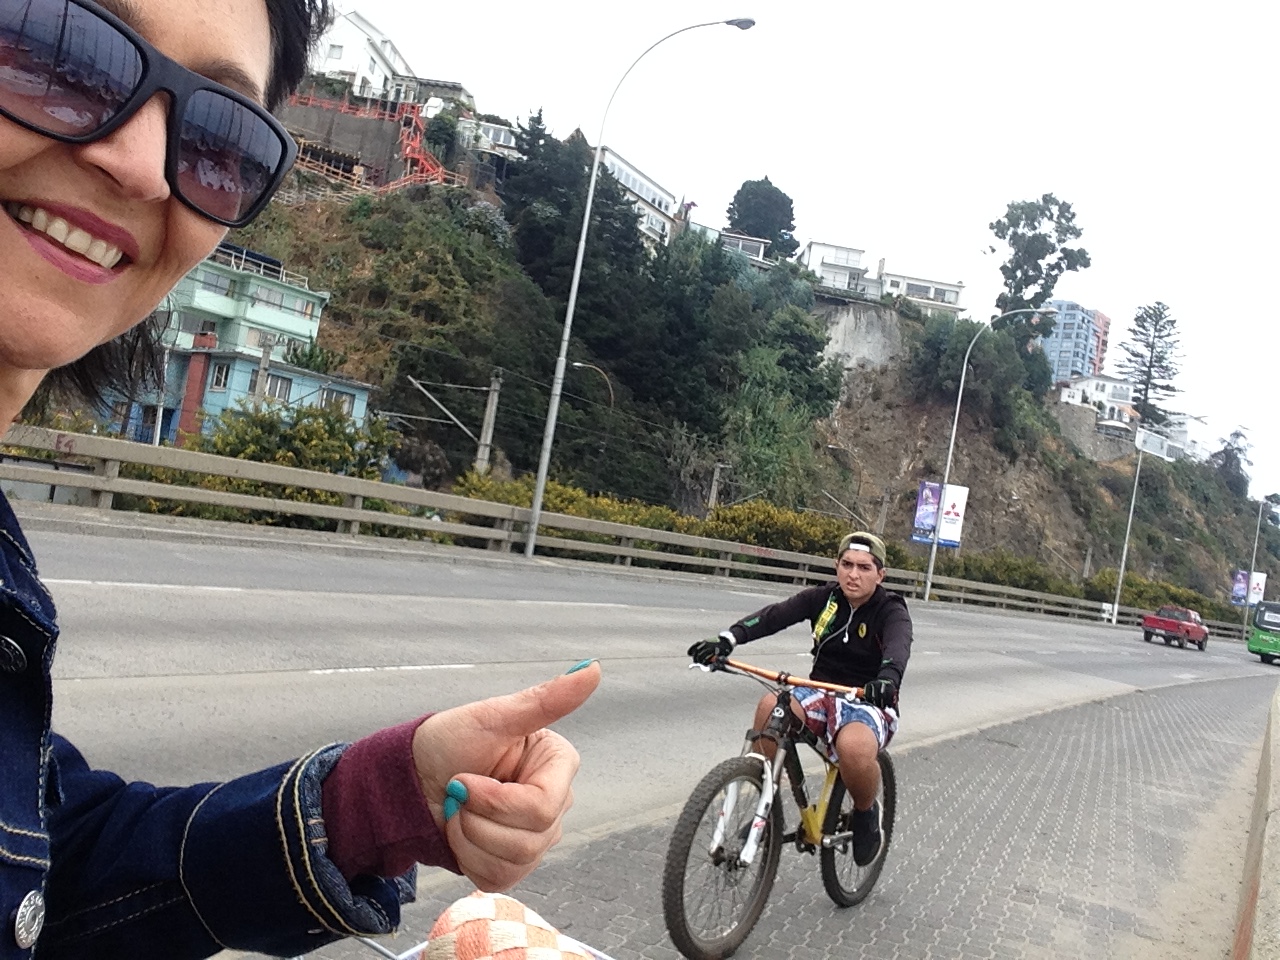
850,646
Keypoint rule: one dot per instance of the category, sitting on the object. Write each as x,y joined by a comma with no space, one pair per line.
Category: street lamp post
1124,551
955,421
1248,586
557,383
579,365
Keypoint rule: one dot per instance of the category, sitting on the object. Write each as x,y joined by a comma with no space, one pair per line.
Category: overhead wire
488,367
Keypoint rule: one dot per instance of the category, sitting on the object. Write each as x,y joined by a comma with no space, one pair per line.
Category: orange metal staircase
421,165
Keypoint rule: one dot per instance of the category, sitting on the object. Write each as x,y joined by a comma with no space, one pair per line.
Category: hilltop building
1078,345
655,204
840,268
753,248
1110,396
355,50
237,314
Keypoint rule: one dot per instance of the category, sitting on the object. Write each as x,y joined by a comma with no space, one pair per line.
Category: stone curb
1258,924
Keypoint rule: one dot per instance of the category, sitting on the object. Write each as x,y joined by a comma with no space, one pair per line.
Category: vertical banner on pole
926,511
954,500
1239,587
1257,588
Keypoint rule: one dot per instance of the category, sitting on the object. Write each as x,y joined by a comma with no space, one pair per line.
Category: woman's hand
497,782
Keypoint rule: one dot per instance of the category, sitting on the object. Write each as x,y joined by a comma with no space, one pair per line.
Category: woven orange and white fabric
490,926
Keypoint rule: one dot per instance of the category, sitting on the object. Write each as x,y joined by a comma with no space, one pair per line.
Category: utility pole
268,341
486,430
714,496
164,387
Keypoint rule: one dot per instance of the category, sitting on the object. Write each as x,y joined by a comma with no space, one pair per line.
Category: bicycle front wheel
846,882
710,898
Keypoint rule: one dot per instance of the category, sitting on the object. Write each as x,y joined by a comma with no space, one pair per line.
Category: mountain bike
726,845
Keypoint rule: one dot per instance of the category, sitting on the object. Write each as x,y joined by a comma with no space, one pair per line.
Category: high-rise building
1078,345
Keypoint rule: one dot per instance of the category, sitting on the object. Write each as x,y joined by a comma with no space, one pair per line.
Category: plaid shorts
825,713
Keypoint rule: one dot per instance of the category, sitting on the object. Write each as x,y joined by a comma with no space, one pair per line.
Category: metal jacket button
12,659
29,920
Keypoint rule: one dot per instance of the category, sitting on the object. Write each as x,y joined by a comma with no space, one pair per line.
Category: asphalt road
184,662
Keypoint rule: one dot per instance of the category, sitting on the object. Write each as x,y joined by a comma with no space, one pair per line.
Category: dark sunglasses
75,73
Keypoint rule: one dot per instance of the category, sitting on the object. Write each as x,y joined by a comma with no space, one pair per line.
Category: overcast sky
905,128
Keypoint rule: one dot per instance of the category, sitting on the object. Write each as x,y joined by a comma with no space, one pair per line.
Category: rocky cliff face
861,334
889,443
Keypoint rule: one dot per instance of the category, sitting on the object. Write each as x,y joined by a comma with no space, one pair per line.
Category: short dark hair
131,362
296,25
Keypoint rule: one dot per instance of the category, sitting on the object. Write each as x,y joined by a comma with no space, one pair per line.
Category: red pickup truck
1175,625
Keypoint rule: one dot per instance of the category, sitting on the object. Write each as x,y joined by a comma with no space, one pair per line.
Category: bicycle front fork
771,777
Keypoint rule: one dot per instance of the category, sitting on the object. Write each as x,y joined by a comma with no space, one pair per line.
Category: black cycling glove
880,693
704,651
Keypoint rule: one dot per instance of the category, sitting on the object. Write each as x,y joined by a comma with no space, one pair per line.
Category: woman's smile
79,242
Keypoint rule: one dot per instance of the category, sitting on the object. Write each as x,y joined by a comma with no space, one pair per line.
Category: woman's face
55,304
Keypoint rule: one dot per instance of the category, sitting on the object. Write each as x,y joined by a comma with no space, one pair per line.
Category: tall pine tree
1151,360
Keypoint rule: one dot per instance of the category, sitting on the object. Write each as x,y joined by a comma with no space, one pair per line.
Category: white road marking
570,603
1186,676
146,586
385,596
403,669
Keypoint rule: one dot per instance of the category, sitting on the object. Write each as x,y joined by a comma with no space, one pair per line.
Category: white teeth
79,241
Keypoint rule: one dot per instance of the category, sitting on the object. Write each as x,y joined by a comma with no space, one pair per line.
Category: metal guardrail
493,526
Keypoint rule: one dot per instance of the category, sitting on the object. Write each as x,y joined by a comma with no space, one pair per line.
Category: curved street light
955,420
579,365
557,383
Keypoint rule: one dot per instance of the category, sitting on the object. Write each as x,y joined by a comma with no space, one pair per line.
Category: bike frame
784,729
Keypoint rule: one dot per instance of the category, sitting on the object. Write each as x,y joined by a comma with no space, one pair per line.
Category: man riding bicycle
861,638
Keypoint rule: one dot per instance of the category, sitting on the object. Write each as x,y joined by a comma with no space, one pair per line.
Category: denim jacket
134,871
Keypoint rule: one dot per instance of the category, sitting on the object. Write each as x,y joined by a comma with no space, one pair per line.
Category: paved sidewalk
1074,833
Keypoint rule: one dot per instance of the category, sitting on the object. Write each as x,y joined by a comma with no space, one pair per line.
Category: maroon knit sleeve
375,815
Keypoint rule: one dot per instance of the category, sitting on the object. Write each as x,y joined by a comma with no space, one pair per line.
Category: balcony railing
246,264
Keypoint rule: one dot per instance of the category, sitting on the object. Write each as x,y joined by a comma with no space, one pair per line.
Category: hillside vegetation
700,359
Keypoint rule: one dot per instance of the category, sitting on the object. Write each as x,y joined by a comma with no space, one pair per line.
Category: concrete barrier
1258,923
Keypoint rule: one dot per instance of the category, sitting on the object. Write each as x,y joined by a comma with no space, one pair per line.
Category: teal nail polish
451,808
457,790
580,666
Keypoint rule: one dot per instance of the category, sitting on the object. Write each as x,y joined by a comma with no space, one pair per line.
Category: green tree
442,132
311,438
769,436
759,209
1151,359
1038,233
1230,461
312,356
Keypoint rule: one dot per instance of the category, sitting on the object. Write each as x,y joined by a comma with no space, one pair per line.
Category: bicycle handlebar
786,679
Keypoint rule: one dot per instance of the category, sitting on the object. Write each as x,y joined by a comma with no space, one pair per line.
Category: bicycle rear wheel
846,882
710,899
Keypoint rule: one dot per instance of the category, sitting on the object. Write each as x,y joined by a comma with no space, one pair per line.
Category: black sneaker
865,825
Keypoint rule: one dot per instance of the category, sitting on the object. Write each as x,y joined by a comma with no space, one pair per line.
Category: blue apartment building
235,314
